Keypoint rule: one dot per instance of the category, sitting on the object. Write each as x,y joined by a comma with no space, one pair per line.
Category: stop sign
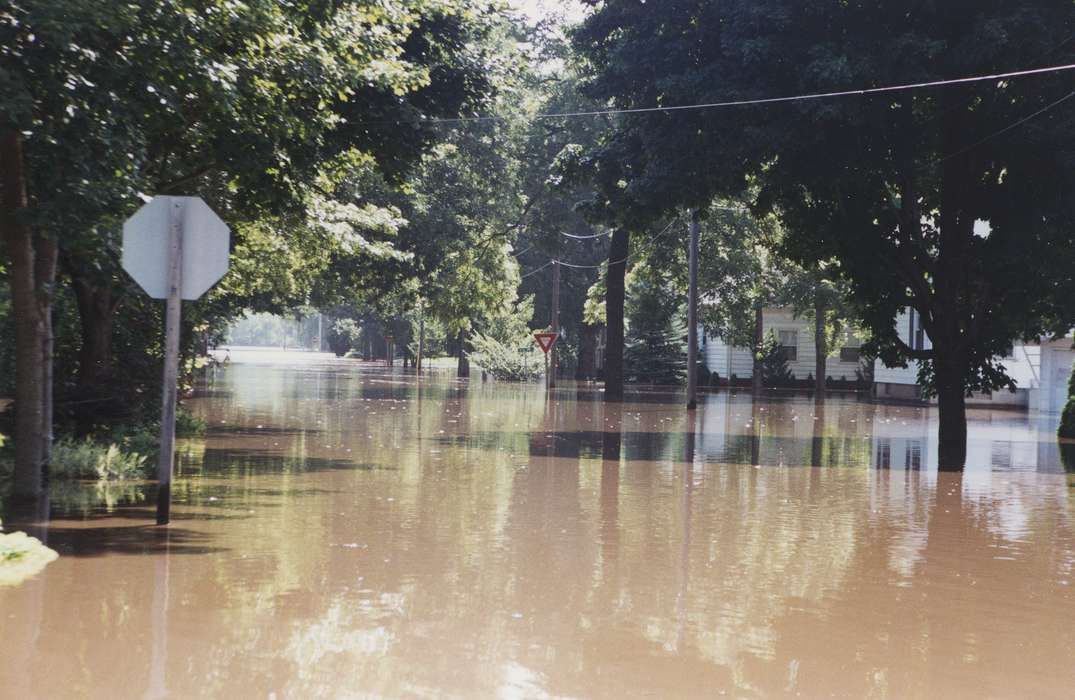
205,246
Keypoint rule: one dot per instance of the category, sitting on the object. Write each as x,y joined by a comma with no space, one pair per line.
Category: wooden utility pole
615,292
554,359
821,347
421,339
759,341
171,360
692,316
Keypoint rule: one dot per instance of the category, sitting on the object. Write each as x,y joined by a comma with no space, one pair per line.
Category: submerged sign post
175,248
545,341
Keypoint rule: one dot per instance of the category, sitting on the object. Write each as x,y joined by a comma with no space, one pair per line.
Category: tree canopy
939,199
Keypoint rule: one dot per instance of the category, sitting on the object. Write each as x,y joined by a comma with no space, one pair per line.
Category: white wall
899,375
1056,360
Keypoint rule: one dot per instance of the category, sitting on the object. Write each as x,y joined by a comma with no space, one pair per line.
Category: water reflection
347,531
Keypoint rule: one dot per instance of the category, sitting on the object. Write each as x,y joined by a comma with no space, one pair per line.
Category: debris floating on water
22,557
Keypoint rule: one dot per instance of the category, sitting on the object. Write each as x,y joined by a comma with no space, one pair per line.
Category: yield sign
545,341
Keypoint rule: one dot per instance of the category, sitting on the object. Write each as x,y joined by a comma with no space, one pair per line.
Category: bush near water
1067,418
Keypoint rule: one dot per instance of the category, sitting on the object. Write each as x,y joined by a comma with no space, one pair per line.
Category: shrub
85,459
1067,418
188,425
506,360
1067,456
774,363
655,349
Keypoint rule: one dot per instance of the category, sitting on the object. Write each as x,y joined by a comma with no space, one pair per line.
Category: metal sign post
546,341
171,361
175,248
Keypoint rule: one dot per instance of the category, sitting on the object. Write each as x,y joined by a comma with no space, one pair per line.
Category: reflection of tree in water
460,561
950,618
793,576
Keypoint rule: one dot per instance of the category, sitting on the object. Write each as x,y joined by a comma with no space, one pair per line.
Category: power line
585,238
573,266
645,245
770,100
538,270
1008,128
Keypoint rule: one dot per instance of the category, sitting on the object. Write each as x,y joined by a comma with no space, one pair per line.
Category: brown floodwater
347,531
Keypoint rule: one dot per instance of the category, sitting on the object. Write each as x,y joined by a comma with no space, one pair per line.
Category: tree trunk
759,341
46,255
463,368
821,348
30,346
615,293
952,335
952,407
95,309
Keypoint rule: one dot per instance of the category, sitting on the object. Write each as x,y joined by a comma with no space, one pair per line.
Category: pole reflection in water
158,663
817,442
345,532
687,487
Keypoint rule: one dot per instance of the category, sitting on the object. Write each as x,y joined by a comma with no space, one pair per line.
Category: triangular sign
545,341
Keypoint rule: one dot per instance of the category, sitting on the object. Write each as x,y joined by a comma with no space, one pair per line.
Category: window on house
850,354
789,343
913,458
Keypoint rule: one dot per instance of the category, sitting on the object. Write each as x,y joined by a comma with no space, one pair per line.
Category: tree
740,276
940,199
655,351
241,103
552,226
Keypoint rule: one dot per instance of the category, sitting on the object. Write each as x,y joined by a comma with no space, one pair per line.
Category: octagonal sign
205,246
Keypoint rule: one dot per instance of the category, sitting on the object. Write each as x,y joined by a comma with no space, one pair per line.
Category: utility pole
554,361
421,337
692,316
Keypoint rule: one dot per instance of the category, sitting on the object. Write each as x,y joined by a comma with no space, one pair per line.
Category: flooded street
345,531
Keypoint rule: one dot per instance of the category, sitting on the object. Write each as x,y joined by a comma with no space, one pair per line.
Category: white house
796,336
1040,370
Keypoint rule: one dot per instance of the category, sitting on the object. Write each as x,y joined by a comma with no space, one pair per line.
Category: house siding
728,361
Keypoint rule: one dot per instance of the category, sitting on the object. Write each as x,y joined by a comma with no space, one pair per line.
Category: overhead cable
586,238
1008,128
770,100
